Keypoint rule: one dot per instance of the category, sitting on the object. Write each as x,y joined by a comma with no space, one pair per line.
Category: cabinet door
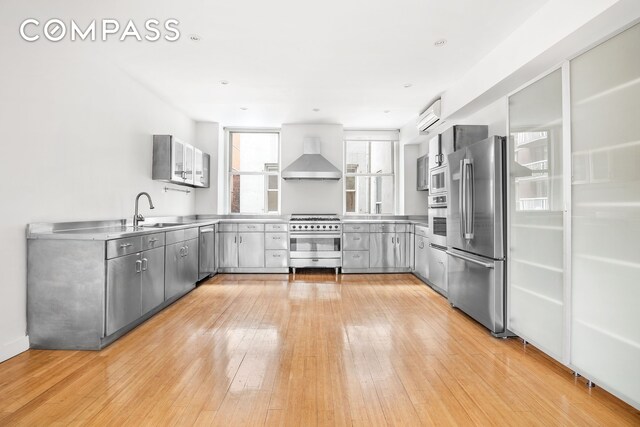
251,250
422,257
437,274
228,250
152,286
355,242
172,269
382,250
123,291
207,251
189,273
177,160
188,163
198,167
402,250
206,165
435,159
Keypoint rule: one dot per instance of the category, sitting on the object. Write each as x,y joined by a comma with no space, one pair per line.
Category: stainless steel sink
161,225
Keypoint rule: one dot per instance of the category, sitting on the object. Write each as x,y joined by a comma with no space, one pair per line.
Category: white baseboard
13,348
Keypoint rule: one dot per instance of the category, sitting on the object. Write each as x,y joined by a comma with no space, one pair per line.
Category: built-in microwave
438,180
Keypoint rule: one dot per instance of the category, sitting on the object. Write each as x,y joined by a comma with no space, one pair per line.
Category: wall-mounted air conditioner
429,117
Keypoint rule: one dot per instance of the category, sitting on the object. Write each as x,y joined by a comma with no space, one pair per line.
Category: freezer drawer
476,286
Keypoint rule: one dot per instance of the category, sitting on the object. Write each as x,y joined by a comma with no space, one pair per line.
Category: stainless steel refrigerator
476,231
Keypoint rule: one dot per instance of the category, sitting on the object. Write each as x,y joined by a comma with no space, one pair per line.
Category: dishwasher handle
469,259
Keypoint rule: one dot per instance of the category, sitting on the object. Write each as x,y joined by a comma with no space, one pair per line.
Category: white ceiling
283,58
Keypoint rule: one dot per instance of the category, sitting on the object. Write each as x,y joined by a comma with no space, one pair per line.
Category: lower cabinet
437,273
389,251
251,250
181,267
135,285
152,285
123,291
355,260
228,250
421,251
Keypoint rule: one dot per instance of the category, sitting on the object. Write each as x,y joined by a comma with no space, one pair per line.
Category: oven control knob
324,226
306,226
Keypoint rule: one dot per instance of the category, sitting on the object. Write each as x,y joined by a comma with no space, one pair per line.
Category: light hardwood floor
265,350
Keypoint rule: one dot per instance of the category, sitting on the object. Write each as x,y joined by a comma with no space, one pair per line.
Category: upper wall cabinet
179,163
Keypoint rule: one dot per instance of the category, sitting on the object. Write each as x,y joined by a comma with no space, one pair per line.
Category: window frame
392,174
231,173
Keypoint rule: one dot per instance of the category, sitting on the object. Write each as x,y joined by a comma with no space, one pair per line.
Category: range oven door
315,246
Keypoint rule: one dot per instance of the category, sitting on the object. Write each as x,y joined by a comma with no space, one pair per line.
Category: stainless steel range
315,241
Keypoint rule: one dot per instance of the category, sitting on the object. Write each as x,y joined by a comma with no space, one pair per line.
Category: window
369,182
254,172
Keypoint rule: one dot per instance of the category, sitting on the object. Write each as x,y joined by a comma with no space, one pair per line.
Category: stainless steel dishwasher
207,265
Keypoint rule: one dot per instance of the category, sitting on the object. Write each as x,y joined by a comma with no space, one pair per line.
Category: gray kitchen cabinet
357,260
123,291
177,162
207,252
421,250
355,241
181,262
382,250
437,273
152,283
190,265
276,259
275,241
402,250
423,173
228,250
251,250
389,249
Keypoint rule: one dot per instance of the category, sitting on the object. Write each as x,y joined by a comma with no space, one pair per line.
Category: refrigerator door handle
469,202
472,260
462,198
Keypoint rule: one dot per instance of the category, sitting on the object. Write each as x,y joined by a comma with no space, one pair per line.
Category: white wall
415,202
312,196
77,145
207,139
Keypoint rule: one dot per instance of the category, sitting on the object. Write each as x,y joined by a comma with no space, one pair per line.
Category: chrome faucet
138,217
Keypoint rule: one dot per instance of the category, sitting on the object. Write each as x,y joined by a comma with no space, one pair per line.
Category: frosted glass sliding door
536,250
605,111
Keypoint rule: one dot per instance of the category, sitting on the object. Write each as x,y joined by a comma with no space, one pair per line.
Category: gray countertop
115,229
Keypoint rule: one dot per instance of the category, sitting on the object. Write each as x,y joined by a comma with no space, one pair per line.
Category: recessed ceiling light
387,111
316,109
440,43
194,37
224,82
407,85
244,108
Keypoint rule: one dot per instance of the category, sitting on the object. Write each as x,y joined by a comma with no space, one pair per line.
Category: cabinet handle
240,239
186,250
356,256
125,245
181,251
235,239
356,238
276,237
152,241
277,255
138,266
393,241
356,228
421,245
145,264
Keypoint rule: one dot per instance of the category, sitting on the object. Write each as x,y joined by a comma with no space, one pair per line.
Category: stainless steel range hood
311,165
